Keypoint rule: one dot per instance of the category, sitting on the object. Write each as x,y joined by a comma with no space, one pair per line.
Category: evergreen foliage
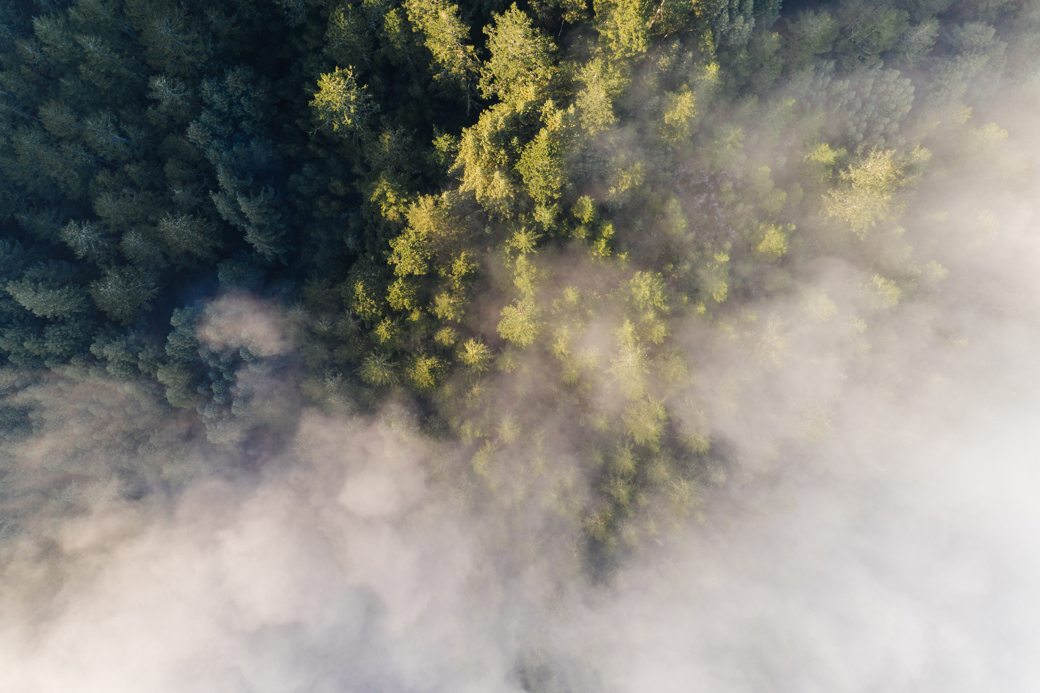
413,179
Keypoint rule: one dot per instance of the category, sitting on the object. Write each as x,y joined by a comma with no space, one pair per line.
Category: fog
873,527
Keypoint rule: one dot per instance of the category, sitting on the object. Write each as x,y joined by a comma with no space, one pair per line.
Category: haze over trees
463,202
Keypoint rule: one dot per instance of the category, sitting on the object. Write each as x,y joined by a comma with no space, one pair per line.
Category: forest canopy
458,203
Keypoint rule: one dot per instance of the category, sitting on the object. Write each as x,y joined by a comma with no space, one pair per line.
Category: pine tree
122,292
447,38
520,68
341,104
45,292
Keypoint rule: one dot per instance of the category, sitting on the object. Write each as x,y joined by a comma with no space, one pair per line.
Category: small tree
122,292
866,198
341,104
520,68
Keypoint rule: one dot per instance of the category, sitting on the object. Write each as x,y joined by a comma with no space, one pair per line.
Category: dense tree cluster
466,201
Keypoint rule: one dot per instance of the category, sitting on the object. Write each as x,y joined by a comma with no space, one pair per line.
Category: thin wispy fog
691,356
879,531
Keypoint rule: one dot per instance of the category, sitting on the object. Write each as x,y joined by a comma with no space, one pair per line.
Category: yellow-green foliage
623,27
644,421
362,295
648,292
602,246
602,85
543,226
386,194
403,294
446,36
773,243
648,295
341,103
629,366
487,152
520,68
431,230
521,322
886,292
824,158
388,333
680,115
448,306
446,336
716,277
475,355
523,241
424,372
462,267
866,197
541,162
584,209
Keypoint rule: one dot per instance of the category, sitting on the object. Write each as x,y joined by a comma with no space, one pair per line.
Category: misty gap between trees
629,345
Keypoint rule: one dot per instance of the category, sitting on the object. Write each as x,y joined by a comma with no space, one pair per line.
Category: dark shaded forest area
458,204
